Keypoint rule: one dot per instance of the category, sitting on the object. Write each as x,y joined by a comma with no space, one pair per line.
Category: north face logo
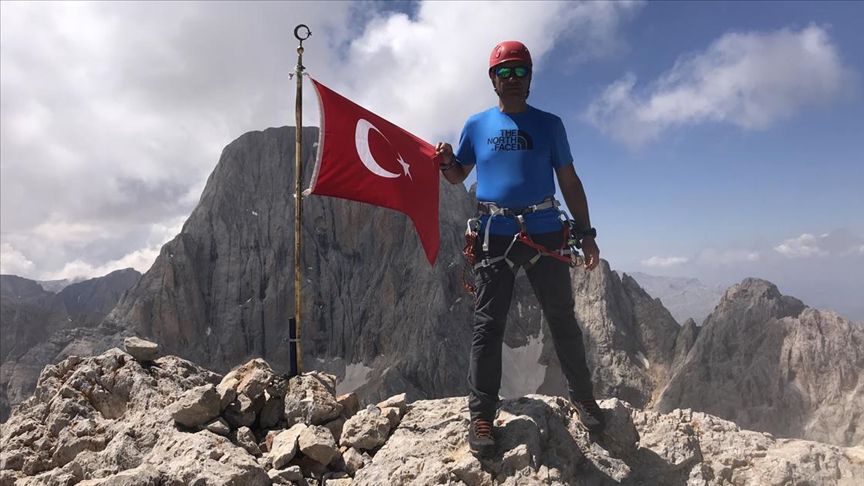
511,140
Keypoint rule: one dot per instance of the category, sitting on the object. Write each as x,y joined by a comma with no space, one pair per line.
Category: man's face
512,86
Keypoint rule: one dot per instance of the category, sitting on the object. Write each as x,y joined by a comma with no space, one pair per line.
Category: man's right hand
444,154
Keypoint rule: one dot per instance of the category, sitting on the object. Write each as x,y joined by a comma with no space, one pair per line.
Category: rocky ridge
221,292
37,326
767,362
111,420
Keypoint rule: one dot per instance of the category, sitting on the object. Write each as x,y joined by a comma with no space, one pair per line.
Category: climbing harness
568,252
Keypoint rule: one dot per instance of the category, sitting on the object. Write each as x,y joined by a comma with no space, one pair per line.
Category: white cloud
114,113
13,262
660,262
837,243
431,69
750,80
711,256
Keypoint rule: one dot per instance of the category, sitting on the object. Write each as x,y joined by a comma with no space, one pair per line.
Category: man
517,149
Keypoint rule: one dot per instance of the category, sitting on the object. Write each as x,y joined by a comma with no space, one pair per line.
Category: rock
251,379
310,467
317,443
139,476
339,482
140,349
227,393
107,420
335,427
272,413
290,475
350,404
242,411
219,426
246,439
197,407
397,401
366,430
205,458
354,461
393,416
284,445
311,399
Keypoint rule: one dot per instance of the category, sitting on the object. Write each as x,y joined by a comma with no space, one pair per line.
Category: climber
517,148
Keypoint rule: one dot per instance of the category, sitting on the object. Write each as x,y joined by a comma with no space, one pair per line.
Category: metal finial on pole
295,331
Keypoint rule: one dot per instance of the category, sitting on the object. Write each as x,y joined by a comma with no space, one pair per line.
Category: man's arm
453,171
577,203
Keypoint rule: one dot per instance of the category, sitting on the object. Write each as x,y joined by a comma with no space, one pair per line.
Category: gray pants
550,280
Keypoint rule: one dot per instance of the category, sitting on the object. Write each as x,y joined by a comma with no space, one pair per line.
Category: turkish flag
363,157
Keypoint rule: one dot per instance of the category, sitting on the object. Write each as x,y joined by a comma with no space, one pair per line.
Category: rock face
106,420
221,292
768,363
38,326
629,337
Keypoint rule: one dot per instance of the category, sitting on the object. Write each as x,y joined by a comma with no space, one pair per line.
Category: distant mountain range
686,298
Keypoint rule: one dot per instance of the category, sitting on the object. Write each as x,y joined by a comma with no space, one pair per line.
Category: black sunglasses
518,71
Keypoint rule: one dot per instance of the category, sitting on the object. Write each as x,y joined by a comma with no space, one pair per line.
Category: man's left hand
592,253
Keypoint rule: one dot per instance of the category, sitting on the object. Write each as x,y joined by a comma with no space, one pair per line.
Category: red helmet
509,51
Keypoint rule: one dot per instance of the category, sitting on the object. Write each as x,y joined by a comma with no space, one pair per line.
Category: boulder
141,349
366,430
284,446
317,443
197,407
311,399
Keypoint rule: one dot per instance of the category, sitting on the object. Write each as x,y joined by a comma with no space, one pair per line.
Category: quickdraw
568,252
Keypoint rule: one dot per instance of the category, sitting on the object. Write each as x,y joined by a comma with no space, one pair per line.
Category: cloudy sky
716,140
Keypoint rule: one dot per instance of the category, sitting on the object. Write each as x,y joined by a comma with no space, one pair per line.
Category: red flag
363,157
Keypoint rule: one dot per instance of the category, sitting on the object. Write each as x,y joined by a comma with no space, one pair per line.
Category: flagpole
298,199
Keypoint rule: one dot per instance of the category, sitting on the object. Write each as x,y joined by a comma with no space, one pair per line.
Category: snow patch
521,372
356,375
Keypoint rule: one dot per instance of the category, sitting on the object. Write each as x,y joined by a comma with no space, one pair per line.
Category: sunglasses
507,72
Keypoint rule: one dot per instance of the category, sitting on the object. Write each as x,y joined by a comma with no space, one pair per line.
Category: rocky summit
767,362
113,420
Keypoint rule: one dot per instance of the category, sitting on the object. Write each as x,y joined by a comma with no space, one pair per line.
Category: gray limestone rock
765,361
354,461
366,430
246,439
317,443
284,446
291,475
219,426
350,404
196,407
105,420
311,399
141,349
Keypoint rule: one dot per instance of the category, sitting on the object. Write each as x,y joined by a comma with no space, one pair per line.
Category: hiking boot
480,439
590,414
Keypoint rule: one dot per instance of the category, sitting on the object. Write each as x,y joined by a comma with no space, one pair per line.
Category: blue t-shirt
516,156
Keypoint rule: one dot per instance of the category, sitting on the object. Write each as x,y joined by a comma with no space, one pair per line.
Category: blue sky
715,139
